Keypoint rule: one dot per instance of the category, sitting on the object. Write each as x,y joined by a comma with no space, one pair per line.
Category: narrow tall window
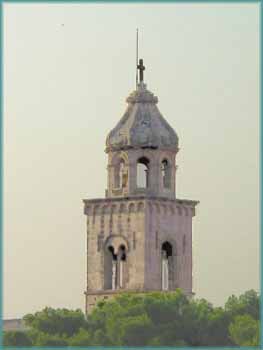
110,265
143,172
115,267
166,253
121,266
166,174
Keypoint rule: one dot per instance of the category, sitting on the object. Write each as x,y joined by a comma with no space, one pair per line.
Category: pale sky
68,69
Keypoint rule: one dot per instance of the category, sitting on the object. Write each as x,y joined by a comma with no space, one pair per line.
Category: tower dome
142,125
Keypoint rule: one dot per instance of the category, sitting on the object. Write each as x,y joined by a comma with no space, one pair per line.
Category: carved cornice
163,206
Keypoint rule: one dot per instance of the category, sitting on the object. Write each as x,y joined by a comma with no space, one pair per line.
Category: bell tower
139,237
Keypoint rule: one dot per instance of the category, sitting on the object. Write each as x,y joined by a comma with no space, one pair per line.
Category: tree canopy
150,319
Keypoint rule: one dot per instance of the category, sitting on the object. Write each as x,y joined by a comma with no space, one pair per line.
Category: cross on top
141,68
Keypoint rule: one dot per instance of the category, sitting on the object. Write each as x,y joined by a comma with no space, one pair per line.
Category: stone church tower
139,237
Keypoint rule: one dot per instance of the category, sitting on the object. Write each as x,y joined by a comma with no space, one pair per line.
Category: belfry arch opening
166,174
115,267
143,172
167,265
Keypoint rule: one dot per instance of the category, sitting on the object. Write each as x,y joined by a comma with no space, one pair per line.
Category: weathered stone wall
143,225
168,221
120,219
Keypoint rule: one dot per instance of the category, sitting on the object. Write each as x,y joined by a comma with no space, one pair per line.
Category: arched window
115,263
110,267
167,265
166,174
143,172
120,174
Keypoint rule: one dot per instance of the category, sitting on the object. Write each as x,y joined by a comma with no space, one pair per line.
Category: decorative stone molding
106,209
179,210
172,210
185,211
131,208
140,206
87,210
122,208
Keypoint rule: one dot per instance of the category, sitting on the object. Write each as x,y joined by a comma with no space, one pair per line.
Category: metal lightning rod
137,48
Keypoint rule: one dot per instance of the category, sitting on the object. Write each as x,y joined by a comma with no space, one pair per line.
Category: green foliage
217,331
82,338
150,319
160,319
56,322
45,339
247,303
244,331
16,338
